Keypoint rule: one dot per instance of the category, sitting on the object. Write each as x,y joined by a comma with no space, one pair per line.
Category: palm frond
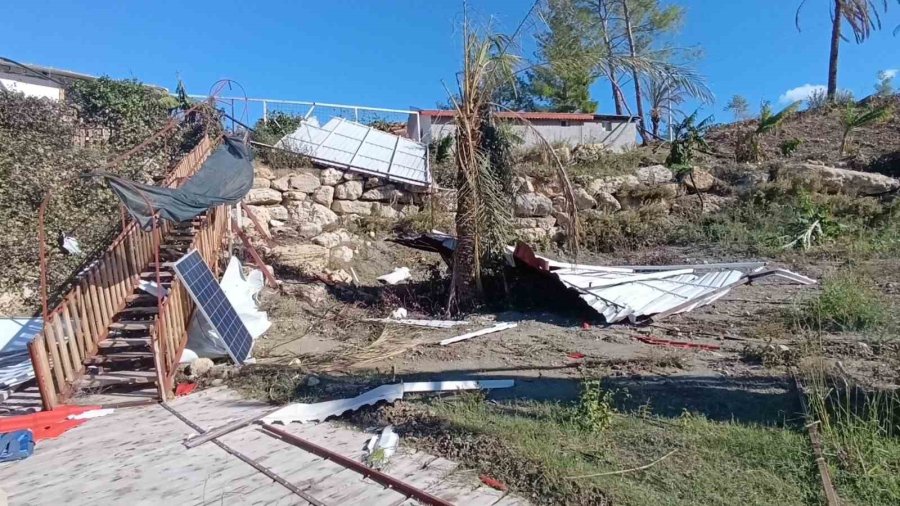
769,121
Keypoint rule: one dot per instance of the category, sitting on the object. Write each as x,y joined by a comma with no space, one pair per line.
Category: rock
654,174
352,176
562,219
522,185
312,293
372,182
583,199
688,205
342,254
750,181
634,197
261,182
282,184
262,170
309,229
322,215
262,196
533,204
294,196
278,213
351,206
295,362
348,190
383,193
305,182
564,154
276,224
323,195
545,223
701,181
312,381
532,235
606,202
836,180
332,239
338,277
200,367
611,184
590,152
307,259
330,177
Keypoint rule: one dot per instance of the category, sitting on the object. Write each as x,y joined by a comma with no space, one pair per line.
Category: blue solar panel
214,306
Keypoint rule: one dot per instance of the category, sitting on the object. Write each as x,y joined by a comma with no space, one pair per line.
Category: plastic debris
299,412
437,324
382,447
493,483
490,330
399,313
94,413
70,244
399,274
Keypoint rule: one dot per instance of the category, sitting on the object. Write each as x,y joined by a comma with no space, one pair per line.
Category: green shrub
595,407
848,301
788,147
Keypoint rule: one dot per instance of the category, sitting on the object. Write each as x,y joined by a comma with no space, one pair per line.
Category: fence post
356,114
265,112
41,364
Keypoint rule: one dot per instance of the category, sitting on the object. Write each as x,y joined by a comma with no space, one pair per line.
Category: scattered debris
46,424
221,430
152,288
200,367
399,313
70,244
94,413
437,324
16,445
576,355
493,483
677,344
15,362
370,473
496,328
299,412
382,447
399,274
624,471
186,388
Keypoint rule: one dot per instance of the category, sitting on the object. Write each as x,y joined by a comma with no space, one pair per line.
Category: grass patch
535,448
630,229
861,433
849,301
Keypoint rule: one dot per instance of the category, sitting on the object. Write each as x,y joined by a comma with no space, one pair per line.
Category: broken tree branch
624,471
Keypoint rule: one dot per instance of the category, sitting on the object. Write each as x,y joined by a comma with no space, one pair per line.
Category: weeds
275,384
849,301
861,432
595,407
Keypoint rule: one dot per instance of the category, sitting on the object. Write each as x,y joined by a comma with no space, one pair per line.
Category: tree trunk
618,99
654,122
637,82
835,49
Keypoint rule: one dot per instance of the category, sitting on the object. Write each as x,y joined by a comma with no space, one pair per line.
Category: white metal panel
354,146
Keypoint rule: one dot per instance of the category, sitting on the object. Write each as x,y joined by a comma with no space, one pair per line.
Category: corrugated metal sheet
349,145
619,293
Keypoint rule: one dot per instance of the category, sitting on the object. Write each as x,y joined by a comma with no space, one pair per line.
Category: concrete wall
617,136
31,86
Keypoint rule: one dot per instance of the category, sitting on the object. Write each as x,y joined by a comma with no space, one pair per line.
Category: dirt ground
557,343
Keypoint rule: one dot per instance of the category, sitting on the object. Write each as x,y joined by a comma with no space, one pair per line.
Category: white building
37,80
617,133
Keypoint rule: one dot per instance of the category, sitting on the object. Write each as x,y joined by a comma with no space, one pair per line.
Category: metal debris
496,328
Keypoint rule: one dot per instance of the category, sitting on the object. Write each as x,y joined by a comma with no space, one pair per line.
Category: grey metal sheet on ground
215,306
350,145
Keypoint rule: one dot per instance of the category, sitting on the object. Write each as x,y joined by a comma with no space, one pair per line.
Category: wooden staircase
125,359
107,333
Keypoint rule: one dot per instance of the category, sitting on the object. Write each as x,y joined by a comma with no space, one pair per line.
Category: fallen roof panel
349,145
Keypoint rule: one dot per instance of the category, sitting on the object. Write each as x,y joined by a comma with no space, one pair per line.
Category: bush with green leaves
849,301
270,131
789,146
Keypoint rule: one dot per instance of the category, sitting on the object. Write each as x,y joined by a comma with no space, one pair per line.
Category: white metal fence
251,110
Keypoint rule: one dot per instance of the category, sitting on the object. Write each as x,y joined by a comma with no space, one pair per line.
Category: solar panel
213,304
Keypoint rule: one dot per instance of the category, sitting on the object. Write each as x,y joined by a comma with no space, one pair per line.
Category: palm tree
663,96
747,149
861,16
853,117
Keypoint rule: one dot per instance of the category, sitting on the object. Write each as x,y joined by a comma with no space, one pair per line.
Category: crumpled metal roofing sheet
354,146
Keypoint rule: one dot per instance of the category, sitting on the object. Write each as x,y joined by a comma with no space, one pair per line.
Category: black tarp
224,178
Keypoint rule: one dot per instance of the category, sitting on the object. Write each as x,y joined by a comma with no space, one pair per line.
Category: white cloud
800,93
891,73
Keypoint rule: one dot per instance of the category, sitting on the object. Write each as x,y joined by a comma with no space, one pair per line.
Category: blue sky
397,53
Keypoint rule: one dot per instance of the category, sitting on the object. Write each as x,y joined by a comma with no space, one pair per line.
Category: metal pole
356,114
265,112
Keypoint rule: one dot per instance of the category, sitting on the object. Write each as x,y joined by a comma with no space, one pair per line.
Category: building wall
617,136
31,86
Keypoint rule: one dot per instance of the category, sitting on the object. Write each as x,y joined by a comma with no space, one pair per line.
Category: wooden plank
82,329
71,339
56,363
38,352
98,330
60,339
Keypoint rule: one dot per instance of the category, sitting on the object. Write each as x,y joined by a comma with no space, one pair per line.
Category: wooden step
151,275
140,310
117,378
141,298
114,344
122,359
131,325
162,265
